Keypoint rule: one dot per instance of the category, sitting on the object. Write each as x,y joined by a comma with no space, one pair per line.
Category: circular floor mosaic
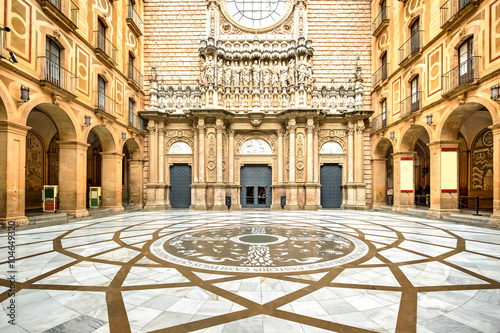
259,249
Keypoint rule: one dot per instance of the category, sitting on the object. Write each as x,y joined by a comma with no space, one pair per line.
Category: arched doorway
330,175
94,165
42,158
104,167
383,164
180,176
256,174
468,126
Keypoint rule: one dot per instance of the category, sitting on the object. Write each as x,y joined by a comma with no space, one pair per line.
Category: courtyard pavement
252,271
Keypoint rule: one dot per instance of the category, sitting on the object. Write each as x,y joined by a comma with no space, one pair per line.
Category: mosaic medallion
259,249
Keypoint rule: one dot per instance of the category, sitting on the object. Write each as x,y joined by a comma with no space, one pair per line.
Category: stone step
49,218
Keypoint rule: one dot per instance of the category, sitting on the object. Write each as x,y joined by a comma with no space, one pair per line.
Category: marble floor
253,271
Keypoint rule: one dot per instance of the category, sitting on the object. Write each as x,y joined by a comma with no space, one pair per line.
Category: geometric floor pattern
99,275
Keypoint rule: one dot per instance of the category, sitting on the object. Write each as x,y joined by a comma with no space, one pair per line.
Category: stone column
359,166
161,185
379,179
152,167
201,200
495,218
350,196
12,173
135,182
73,177
111,181
279,188
233,188
316,167
195,167
219,187
443,178
404,194
310,186
291,187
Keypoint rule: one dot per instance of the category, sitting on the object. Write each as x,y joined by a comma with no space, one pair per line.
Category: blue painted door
331,185
256,186
180,182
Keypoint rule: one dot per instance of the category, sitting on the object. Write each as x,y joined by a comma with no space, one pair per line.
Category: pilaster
404,192
112,181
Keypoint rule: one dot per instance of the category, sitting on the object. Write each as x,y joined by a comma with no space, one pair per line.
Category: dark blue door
256,186
331,185
180,190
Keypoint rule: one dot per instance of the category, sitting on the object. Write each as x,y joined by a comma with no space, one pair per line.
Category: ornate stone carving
256,147
331,148
300,164
180,148
211,157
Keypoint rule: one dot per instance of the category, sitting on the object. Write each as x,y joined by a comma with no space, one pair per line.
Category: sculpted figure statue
275,74
310,72
227,74
302,70
266,74
236,69
245,74
220,72
208,69
291,72
283,74
256,74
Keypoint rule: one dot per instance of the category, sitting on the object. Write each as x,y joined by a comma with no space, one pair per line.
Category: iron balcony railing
136,122
135,75
451,8
379,121
380,74
466,72
412,46
73,10
104,103
134,16
105,45
57,75
381,18
412,103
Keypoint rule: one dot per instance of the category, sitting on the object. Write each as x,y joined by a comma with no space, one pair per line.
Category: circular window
256,13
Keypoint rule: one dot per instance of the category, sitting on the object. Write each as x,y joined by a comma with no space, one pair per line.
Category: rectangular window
384,66
415,36
52,62
131,106
384,112
466,59
101,91
415,98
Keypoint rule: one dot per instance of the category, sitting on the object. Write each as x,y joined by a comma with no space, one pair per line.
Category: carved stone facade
253,99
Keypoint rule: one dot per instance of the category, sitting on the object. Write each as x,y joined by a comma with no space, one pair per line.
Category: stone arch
65,121
336,139
382,147
471,30
256,135
331,147
4,116
61,41
410,136
175,140
456,116
108,141
133,148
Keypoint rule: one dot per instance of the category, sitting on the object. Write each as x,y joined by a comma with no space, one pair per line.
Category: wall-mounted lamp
124,136
392,135
495,93
25,94
429,119
86,122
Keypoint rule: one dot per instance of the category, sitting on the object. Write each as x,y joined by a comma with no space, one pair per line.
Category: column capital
230,132
310,129
292,128
219,128
443,144
72,144
201,129
281,132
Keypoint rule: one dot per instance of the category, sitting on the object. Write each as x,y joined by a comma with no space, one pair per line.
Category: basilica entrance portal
180,191
256,186
331,185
